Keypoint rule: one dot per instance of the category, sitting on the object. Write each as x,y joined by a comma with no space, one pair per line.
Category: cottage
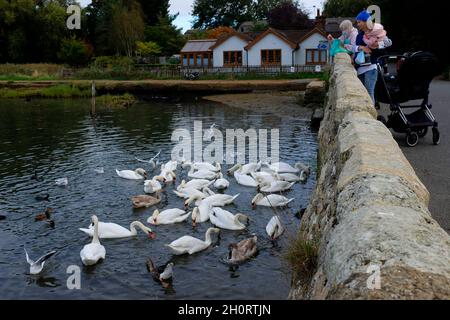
269,48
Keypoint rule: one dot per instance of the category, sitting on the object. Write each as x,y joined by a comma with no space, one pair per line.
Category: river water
58,138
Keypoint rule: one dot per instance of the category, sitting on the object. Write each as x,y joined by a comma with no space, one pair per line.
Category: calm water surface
59,139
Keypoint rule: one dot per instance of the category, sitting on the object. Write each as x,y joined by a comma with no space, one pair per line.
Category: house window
316,56
271,57
232,58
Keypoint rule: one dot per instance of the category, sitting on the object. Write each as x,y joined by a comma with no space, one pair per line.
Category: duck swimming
162,274
46,215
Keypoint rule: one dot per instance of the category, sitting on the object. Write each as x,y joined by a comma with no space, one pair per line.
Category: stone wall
369,213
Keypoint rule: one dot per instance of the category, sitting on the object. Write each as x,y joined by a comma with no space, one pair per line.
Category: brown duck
46,215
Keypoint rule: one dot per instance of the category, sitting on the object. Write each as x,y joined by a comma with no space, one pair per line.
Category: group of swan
208,207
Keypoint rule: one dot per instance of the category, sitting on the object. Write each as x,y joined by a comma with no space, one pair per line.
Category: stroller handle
390,56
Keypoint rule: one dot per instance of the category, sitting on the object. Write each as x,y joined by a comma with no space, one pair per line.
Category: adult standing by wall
372,40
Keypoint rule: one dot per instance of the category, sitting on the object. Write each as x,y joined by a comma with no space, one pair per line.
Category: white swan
198,184
289,177
190,192
245,180
37,266
154,185
276,186
282,167
274,228
215,200
226,220
168,174
203,166
221,183
171,165
169,216
108,230
201,174
137,174
272,200
264,177
191,245
94,251
201,213
245,169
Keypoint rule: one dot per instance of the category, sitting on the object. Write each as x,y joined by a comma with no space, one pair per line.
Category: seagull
62,182
100,170
210,133
151,161
36,267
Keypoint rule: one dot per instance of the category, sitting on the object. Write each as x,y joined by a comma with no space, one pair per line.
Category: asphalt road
432,163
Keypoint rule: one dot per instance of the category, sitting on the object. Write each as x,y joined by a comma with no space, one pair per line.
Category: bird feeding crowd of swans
199,203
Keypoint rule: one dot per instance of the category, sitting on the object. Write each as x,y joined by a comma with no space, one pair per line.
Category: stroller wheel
412,139
436,136
422,132
382,120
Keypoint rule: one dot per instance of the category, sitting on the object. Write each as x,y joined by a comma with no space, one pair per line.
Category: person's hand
365,49
330,37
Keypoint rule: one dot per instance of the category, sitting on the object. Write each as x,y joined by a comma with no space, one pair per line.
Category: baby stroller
403,78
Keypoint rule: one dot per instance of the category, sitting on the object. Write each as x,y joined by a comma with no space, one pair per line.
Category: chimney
320,21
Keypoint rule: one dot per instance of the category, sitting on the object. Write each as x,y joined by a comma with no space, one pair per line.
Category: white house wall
310,43
270,42
232,44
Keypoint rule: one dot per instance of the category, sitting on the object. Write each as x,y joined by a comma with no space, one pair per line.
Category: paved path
432,163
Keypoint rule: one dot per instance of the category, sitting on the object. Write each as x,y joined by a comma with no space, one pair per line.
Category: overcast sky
184,7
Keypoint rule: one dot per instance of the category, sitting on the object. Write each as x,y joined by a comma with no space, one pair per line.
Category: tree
147,49
262,8
229,13
127,26
166,35
288,15
217,32
74,52
153,10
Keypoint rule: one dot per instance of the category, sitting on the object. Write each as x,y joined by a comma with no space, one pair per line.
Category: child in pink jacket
375,37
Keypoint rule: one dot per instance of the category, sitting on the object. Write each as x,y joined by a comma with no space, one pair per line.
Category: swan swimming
108,230
169,216
271,200
138,174
274,228
191,245
226,220
94,251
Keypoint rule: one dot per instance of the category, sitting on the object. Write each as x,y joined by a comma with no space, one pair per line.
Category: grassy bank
30,72
57,91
